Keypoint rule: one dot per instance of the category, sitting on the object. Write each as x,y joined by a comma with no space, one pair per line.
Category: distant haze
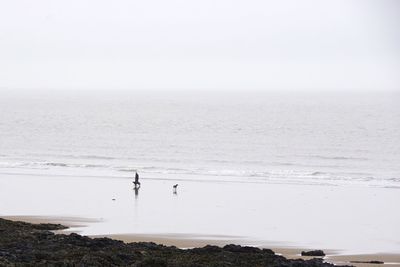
207,44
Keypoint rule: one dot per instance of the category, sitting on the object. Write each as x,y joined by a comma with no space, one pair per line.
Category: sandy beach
285,218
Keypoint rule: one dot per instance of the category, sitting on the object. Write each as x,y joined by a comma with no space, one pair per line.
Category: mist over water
303,138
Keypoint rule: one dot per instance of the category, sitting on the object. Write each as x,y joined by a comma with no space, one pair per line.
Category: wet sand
392,260
66,221
350,220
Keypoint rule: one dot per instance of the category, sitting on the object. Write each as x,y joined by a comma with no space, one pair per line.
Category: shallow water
308,138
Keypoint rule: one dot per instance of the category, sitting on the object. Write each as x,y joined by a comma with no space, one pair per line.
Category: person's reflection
136,189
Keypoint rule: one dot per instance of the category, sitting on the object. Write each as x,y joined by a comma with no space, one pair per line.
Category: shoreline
189,241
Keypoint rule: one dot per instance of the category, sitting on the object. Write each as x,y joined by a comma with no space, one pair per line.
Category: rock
315,253
153,262
208,249
245,249
24,244
268,251
371,262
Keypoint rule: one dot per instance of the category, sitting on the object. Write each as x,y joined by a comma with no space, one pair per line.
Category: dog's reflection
174,189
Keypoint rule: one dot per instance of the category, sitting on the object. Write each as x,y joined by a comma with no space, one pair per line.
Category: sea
312,138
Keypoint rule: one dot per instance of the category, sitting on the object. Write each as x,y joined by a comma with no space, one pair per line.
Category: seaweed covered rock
315,253
24,244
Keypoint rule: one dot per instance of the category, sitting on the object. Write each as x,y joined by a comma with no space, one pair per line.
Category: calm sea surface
303,138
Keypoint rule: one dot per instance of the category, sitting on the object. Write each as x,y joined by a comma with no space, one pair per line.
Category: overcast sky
203,44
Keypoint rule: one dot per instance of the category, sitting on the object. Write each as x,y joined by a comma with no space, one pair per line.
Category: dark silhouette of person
136,182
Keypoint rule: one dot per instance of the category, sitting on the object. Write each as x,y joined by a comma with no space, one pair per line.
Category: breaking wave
281,175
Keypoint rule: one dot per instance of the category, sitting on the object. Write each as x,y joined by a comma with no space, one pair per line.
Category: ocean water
333,139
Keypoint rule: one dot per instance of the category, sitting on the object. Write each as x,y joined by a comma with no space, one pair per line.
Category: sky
200,45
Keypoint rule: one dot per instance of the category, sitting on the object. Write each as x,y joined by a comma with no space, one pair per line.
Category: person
136,182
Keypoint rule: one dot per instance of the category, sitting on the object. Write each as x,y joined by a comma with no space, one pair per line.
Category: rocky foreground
25,244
